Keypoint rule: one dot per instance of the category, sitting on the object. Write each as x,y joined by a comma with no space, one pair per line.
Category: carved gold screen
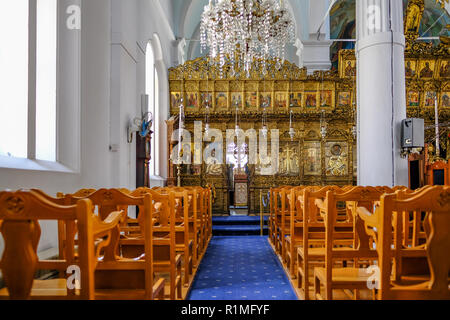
323,98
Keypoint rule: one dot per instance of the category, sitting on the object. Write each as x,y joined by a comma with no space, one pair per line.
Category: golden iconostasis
311,102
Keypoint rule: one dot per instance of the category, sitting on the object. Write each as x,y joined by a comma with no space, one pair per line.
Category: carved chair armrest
320,204
369,218
102,228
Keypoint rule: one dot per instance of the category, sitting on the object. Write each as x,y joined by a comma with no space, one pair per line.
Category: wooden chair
195,228
208,206
385,224
165,258
65,227
184,245
274,218
311,250
281,218
272,213
20,213
120,276
295,236
197,220
352,278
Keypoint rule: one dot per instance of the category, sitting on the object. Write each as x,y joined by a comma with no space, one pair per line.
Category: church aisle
241,268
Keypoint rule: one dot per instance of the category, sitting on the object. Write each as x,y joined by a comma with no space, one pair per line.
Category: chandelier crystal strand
246,33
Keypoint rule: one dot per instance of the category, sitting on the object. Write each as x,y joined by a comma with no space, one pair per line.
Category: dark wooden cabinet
143,158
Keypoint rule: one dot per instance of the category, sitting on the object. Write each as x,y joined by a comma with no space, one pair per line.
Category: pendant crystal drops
245,33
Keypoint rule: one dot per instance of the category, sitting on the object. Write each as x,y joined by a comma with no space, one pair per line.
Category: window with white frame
152,90
28,64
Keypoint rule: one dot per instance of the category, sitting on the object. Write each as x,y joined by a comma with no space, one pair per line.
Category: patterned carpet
241,268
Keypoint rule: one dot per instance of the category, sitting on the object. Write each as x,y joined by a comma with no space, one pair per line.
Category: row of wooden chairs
117,256
345,238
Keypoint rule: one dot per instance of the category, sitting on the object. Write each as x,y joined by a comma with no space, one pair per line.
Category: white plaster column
381,92
316,47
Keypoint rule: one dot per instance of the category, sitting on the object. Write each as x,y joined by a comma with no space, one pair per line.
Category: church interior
225,150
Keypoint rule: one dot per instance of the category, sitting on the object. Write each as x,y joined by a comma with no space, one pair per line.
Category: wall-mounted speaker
413,133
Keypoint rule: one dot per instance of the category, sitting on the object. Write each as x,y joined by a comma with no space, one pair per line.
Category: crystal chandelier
246,33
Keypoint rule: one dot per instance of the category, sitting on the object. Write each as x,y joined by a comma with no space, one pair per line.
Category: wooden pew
20,213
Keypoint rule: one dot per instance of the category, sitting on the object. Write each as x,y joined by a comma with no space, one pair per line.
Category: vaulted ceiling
185,15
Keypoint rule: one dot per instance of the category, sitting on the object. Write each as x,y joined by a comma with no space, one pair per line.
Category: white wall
107,77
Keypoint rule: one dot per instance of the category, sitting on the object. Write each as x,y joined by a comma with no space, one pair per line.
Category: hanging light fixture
323,125
264,105
291,128
207,105
246,32
236,127
264,129
181,126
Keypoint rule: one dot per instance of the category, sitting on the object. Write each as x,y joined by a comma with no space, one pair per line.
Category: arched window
151,89
28,79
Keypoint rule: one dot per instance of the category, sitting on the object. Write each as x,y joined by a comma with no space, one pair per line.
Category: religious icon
265,99
280,99
192,100
350,69
326,98
446,100
410,69
312,164
221,100
336,160
344,98
213,167
430,99
413,99
175,100
444,71
289,160
236,99
295,100
427,69
264,165
251,100
196,170
311,99
413,19
206,97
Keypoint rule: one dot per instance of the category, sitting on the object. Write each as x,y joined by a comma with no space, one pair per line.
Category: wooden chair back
435,202
20,213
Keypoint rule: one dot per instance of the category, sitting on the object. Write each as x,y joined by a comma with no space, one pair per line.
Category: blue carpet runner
239,225
241,268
